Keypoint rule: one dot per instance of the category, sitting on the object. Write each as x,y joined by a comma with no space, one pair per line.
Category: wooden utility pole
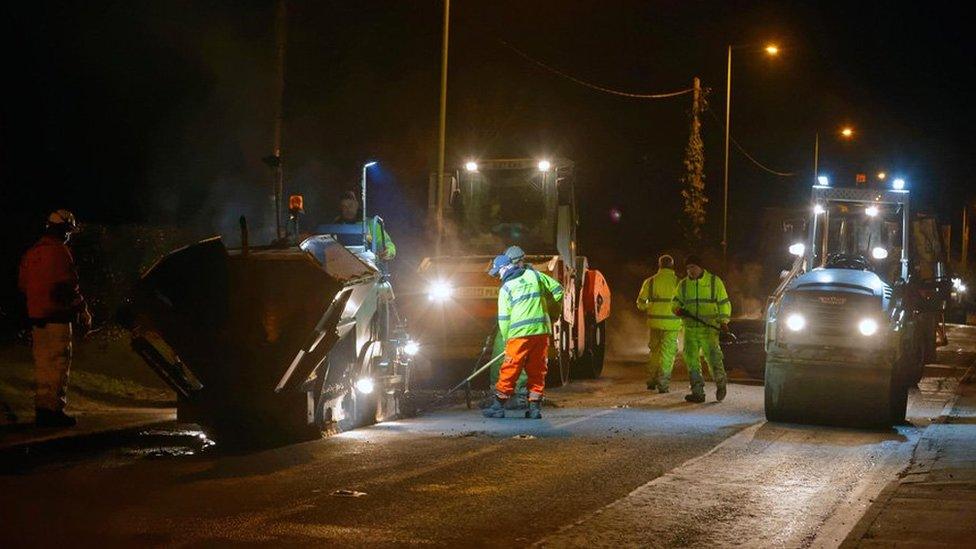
694,176
442,127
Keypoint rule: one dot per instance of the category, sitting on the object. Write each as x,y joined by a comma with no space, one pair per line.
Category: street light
772,50
847,133
362,188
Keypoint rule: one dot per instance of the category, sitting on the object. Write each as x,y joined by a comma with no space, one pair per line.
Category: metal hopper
268,342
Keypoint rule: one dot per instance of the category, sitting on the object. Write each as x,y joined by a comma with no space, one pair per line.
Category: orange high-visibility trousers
528,353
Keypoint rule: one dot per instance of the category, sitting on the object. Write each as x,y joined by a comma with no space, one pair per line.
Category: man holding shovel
704,307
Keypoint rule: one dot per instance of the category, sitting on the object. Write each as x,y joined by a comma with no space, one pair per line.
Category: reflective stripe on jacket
705,298
655,299
522,307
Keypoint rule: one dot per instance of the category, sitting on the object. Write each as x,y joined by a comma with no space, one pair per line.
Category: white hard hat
63,217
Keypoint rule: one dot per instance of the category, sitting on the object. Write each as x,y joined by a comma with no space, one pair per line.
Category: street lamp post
362,189
772,50
846,132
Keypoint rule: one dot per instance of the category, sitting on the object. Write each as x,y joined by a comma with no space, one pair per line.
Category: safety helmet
515,253
693,260
63,218
499,263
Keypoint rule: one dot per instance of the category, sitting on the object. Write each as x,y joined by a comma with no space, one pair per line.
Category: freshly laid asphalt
610,464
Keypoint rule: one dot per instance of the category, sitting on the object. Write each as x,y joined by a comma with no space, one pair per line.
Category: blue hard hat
500,262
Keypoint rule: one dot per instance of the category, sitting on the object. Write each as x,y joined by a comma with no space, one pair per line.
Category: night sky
160,112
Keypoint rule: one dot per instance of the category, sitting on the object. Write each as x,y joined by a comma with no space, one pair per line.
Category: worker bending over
663,327
525,300
703,305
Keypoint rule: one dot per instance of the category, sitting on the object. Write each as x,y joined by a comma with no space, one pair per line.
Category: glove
680,312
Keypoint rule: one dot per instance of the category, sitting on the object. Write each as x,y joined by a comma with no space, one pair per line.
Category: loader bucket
224,327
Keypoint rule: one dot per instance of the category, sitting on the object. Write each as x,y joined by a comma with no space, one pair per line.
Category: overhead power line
746,153
591,85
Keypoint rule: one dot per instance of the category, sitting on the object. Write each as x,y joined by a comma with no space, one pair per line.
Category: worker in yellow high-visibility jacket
663,326
705,310
524,300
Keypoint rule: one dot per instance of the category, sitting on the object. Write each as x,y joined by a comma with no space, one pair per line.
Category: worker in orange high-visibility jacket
524,301
50,283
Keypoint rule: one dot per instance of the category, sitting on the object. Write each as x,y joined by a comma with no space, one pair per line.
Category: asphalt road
610,464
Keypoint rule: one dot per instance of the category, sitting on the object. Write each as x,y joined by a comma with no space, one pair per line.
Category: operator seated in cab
378,240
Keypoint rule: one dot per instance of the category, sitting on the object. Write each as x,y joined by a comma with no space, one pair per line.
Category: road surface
611,464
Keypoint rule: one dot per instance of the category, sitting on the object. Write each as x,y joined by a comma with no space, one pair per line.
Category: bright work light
439,290
871,211
471,166
823,180
898,184
544,165
365,385
868,326
797,249
411,348
818,209
795,322
879,253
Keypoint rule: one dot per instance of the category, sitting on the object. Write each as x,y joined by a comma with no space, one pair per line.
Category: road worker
524,300
703,305
377,239
49,280
517,255
663,326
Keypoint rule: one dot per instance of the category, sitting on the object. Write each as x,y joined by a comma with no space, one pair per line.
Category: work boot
662,388
651,385
695,398
720,393
535,410
497,408
52,418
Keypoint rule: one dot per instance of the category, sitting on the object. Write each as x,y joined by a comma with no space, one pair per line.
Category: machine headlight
868,326
365,385
879,253
411,348
439,290
796,322
871,211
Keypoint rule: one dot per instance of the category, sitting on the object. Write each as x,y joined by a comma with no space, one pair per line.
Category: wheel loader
848,327
490,205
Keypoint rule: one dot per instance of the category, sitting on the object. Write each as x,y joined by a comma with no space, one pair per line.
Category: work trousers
529,354
496,368
663,346
52,363
703,341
